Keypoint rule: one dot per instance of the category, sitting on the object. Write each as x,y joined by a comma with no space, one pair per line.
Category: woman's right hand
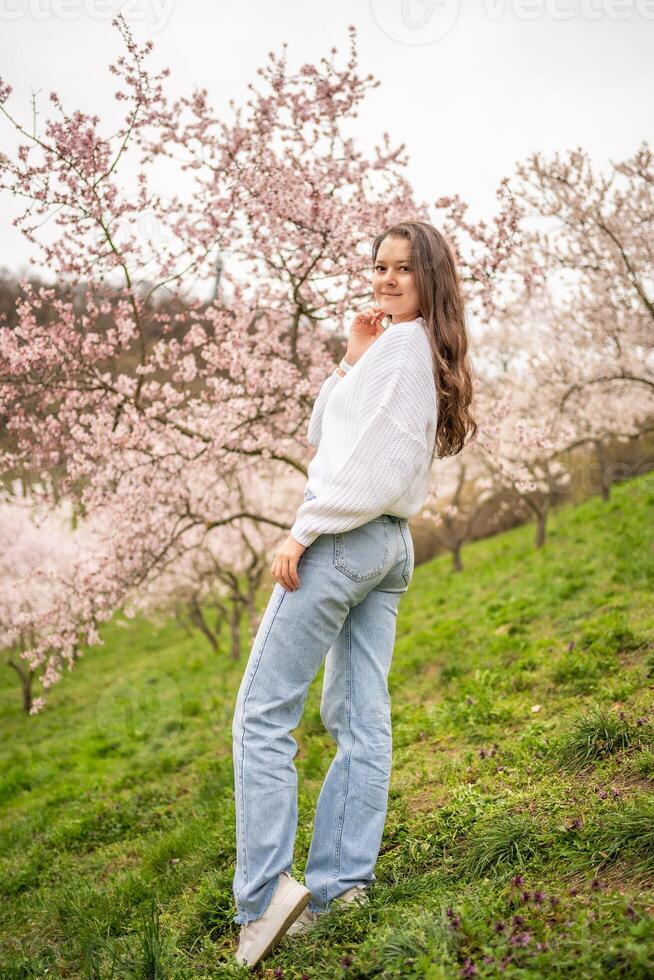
365,329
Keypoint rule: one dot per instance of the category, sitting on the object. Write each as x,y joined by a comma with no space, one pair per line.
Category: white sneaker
259,937
307,919
358,893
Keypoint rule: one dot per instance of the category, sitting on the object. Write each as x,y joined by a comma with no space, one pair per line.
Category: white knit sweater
375,431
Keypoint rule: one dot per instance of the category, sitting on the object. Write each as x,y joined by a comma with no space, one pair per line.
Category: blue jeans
345,610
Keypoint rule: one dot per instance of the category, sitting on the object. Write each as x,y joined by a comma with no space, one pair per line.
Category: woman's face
392,280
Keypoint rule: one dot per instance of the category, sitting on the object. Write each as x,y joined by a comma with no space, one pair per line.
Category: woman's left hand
284,566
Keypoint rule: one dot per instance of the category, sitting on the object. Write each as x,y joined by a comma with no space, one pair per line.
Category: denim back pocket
362,552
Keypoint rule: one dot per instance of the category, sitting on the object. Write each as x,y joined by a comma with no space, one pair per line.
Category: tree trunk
457,564
181,621
605,486
26,677
235,629
254,618
197,617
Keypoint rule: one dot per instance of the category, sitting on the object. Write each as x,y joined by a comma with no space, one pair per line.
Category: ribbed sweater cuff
303,537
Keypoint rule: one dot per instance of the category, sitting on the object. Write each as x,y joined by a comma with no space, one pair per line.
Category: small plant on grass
504,841
628,832
596,735
424,946
143,958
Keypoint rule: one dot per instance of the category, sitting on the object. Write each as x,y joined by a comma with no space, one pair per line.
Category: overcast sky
470,88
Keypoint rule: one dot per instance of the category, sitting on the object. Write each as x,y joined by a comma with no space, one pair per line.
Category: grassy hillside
520,832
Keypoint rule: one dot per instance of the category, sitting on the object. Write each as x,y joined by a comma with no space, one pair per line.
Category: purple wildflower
455,920
596,884
518,920
499,927
630,912
518,881
524,898
520,939
468,969
345,962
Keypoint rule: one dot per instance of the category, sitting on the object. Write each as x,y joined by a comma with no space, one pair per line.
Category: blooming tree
43,564
221,574
155,405
459,500
567,333
594,246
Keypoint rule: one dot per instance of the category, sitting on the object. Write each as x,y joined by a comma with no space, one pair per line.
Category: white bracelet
345,366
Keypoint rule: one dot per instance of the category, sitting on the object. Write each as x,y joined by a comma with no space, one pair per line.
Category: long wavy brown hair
443,308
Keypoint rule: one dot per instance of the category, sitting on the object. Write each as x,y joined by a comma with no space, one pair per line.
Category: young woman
400,397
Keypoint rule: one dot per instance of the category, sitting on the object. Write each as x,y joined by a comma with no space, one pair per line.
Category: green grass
518,843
